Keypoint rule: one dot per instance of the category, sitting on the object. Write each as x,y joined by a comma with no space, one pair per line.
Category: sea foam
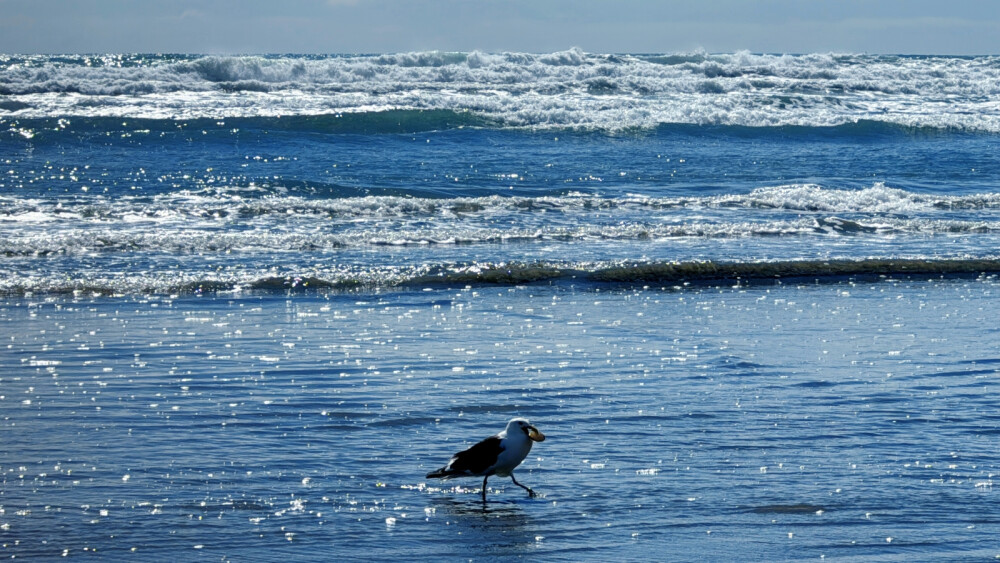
571,89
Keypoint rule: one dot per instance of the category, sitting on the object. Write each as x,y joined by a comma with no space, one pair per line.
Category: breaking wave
223,220
569,89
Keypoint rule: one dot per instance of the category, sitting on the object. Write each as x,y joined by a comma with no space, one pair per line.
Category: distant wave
664,275
569,89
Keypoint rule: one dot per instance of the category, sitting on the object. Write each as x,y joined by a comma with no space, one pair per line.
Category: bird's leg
484,487
530,492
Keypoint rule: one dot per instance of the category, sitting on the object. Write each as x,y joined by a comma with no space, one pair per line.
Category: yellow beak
535,435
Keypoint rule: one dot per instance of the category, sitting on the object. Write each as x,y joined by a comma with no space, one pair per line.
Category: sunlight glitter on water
788,417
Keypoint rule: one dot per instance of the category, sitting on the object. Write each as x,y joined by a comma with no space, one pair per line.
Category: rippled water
841,420
247,303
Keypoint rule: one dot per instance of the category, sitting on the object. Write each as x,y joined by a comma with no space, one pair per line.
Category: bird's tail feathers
448,472
442,473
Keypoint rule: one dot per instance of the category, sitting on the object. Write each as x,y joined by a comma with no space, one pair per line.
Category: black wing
477,459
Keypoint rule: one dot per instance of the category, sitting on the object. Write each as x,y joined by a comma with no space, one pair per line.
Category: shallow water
842,420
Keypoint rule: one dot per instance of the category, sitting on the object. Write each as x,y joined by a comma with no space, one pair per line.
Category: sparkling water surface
247,303
844,420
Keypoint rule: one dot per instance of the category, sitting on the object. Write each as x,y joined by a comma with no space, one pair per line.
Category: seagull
496,455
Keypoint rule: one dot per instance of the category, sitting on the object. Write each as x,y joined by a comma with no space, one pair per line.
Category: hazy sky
370,26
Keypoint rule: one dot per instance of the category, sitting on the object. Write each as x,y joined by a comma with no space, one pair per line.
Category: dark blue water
319,159
247,303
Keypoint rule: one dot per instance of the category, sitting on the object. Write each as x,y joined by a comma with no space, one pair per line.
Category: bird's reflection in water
493,528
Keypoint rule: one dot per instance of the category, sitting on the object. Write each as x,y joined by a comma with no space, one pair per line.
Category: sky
945,27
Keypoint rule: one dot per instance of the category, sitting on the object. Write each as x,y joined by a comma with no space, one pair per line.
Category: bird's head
522,425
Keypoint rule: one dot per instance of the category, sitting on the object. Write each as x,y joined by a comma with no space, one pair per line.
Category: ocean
248,302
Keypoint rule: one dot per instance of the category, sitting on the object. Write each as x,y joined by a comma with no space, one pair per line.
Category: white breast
517,448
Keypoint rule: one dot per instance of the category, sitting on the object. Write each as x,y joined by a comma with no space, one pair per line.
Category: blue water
249,302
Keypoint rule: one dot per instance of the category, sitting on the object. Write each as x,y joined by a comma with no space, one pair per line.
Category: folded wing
475,461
